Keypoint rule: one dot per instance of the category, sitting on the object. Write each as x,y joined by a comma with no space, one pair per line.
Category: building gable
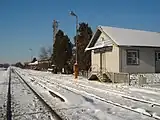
99,40
103,40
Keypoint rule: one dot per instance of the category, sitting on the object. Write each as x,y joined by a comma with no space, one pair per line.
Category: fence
120,77
115,77
144,79
84,74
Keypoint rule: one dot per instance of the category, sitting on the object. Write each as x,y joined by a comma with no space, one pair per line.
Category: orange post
76,70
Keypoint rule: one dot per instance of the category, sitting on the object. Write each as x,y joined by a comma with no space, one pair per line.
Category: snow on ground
118,88
3,93
24,103
85,99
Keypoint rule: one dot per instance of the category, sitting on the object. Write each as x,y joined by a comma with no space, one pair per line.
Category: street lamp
76,63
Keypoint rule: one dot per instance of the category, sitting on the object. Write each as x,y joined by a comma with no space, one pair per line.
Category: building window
132,57
157,56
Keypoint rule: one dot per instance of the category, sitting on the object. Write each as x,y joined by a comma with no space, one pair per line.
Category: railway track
118,93
147,110
9,113
37,109
123,93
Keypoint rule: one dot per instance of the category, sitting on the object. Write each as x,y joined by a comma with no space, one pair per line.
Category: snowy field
92,100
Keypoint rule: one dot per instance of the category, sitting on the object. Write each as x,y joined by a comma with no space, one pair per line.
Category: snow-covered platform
92,100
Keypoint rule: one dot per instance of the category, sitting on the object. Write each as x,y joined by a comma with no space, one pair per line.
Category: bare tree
43,53
49,51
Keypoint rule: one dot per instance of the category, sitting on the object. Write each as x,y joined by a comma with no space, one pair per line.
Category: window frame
137,56
156,55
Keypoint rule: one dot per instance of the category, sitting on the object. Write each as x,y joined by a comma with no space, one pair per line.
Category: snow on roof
130,37
35,63
96,47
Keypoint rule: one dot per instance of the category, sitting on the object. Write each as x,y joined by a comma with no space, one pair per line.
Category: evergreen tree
19,64
34,60
62,50
84,36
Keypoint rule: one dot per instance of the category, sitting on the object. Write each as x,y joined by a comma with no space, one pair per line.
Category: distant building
44,64
40,65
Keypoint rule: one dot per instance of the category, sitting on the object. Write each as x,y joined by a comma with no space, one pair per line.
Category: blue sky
27,24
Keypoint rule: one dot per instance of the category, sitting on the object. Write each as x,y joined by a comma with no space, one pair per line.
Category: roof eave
91,39
101,30
138,46
113,41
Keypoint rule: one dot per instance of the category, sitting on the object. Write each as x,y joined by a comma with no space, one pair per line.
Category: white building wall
112,60
95,59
